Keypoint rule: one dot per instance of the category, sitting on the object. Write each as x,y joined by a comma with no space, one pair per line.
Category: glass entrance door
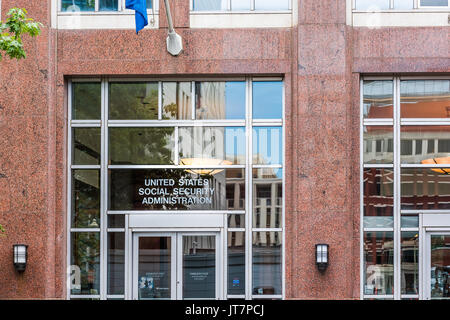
154,267
438,266
176,265
198,266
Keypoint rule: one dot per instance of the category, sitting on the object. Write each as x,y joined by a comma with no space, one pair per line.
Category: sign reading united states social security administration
182,191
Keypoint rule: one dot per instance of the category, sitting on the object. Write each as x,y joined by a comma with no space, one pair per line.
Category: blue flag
140,8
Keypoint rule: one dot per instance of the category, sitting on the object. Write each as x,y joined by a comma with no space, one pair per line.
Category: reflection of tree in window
86,199
133,100
86,255
142,146
86,101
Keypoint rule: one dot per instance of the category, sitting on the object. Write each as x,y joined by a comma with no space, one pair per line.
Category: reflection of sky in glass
206,5
267,145
235,100
240,4
372,4
272,5
377,94
404,4
415,88
235,144
267,100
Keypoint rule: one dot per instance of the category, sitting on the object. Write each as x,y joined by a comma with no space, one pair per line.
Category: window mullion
397,192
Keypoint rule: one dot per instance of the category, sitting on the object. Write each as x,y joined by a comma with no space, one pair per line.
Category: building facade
133,174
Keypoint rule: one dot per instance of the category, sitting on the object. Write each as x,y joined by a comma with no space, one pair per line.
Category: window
377,5
140,146
241,5
95,5
417,165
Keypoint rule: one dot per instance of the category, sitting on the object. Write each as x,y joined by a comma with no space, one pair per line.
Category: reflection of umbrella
445,160
200,162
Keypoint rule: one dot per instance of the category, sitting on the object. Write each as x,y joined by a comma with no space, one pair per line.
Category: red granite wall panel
205,52
27,163
323,210
402,50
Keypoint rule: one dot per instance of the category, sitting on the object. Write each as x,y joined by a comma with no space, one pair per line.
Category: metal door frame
426,262
135,262
177,258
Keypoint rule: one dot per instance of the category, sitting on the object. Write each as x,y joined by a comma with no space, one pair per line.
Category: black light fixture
20,256
322,256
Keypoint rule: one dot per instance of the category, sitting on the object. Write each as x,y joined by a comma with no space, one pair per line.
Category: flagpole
174,41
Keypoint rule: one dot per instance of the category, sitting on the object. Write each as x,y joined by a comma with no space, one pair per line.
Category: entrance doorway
176,265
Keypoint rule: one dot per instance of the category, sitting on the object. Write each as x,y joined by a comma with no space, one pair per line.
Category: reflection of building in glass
410,265
379,259
424,189
378,192
216,145
267,200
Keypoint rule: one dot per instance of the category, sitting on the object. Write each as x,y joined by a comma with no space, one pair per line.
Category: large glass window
406,167
147,146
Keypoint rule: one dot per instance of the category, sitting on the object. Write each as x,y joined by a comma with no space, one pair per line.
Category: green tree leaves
12,30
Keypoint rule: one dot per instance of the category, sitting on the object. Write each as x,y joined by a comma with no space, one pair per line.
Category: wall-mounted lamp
322,256
20,256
